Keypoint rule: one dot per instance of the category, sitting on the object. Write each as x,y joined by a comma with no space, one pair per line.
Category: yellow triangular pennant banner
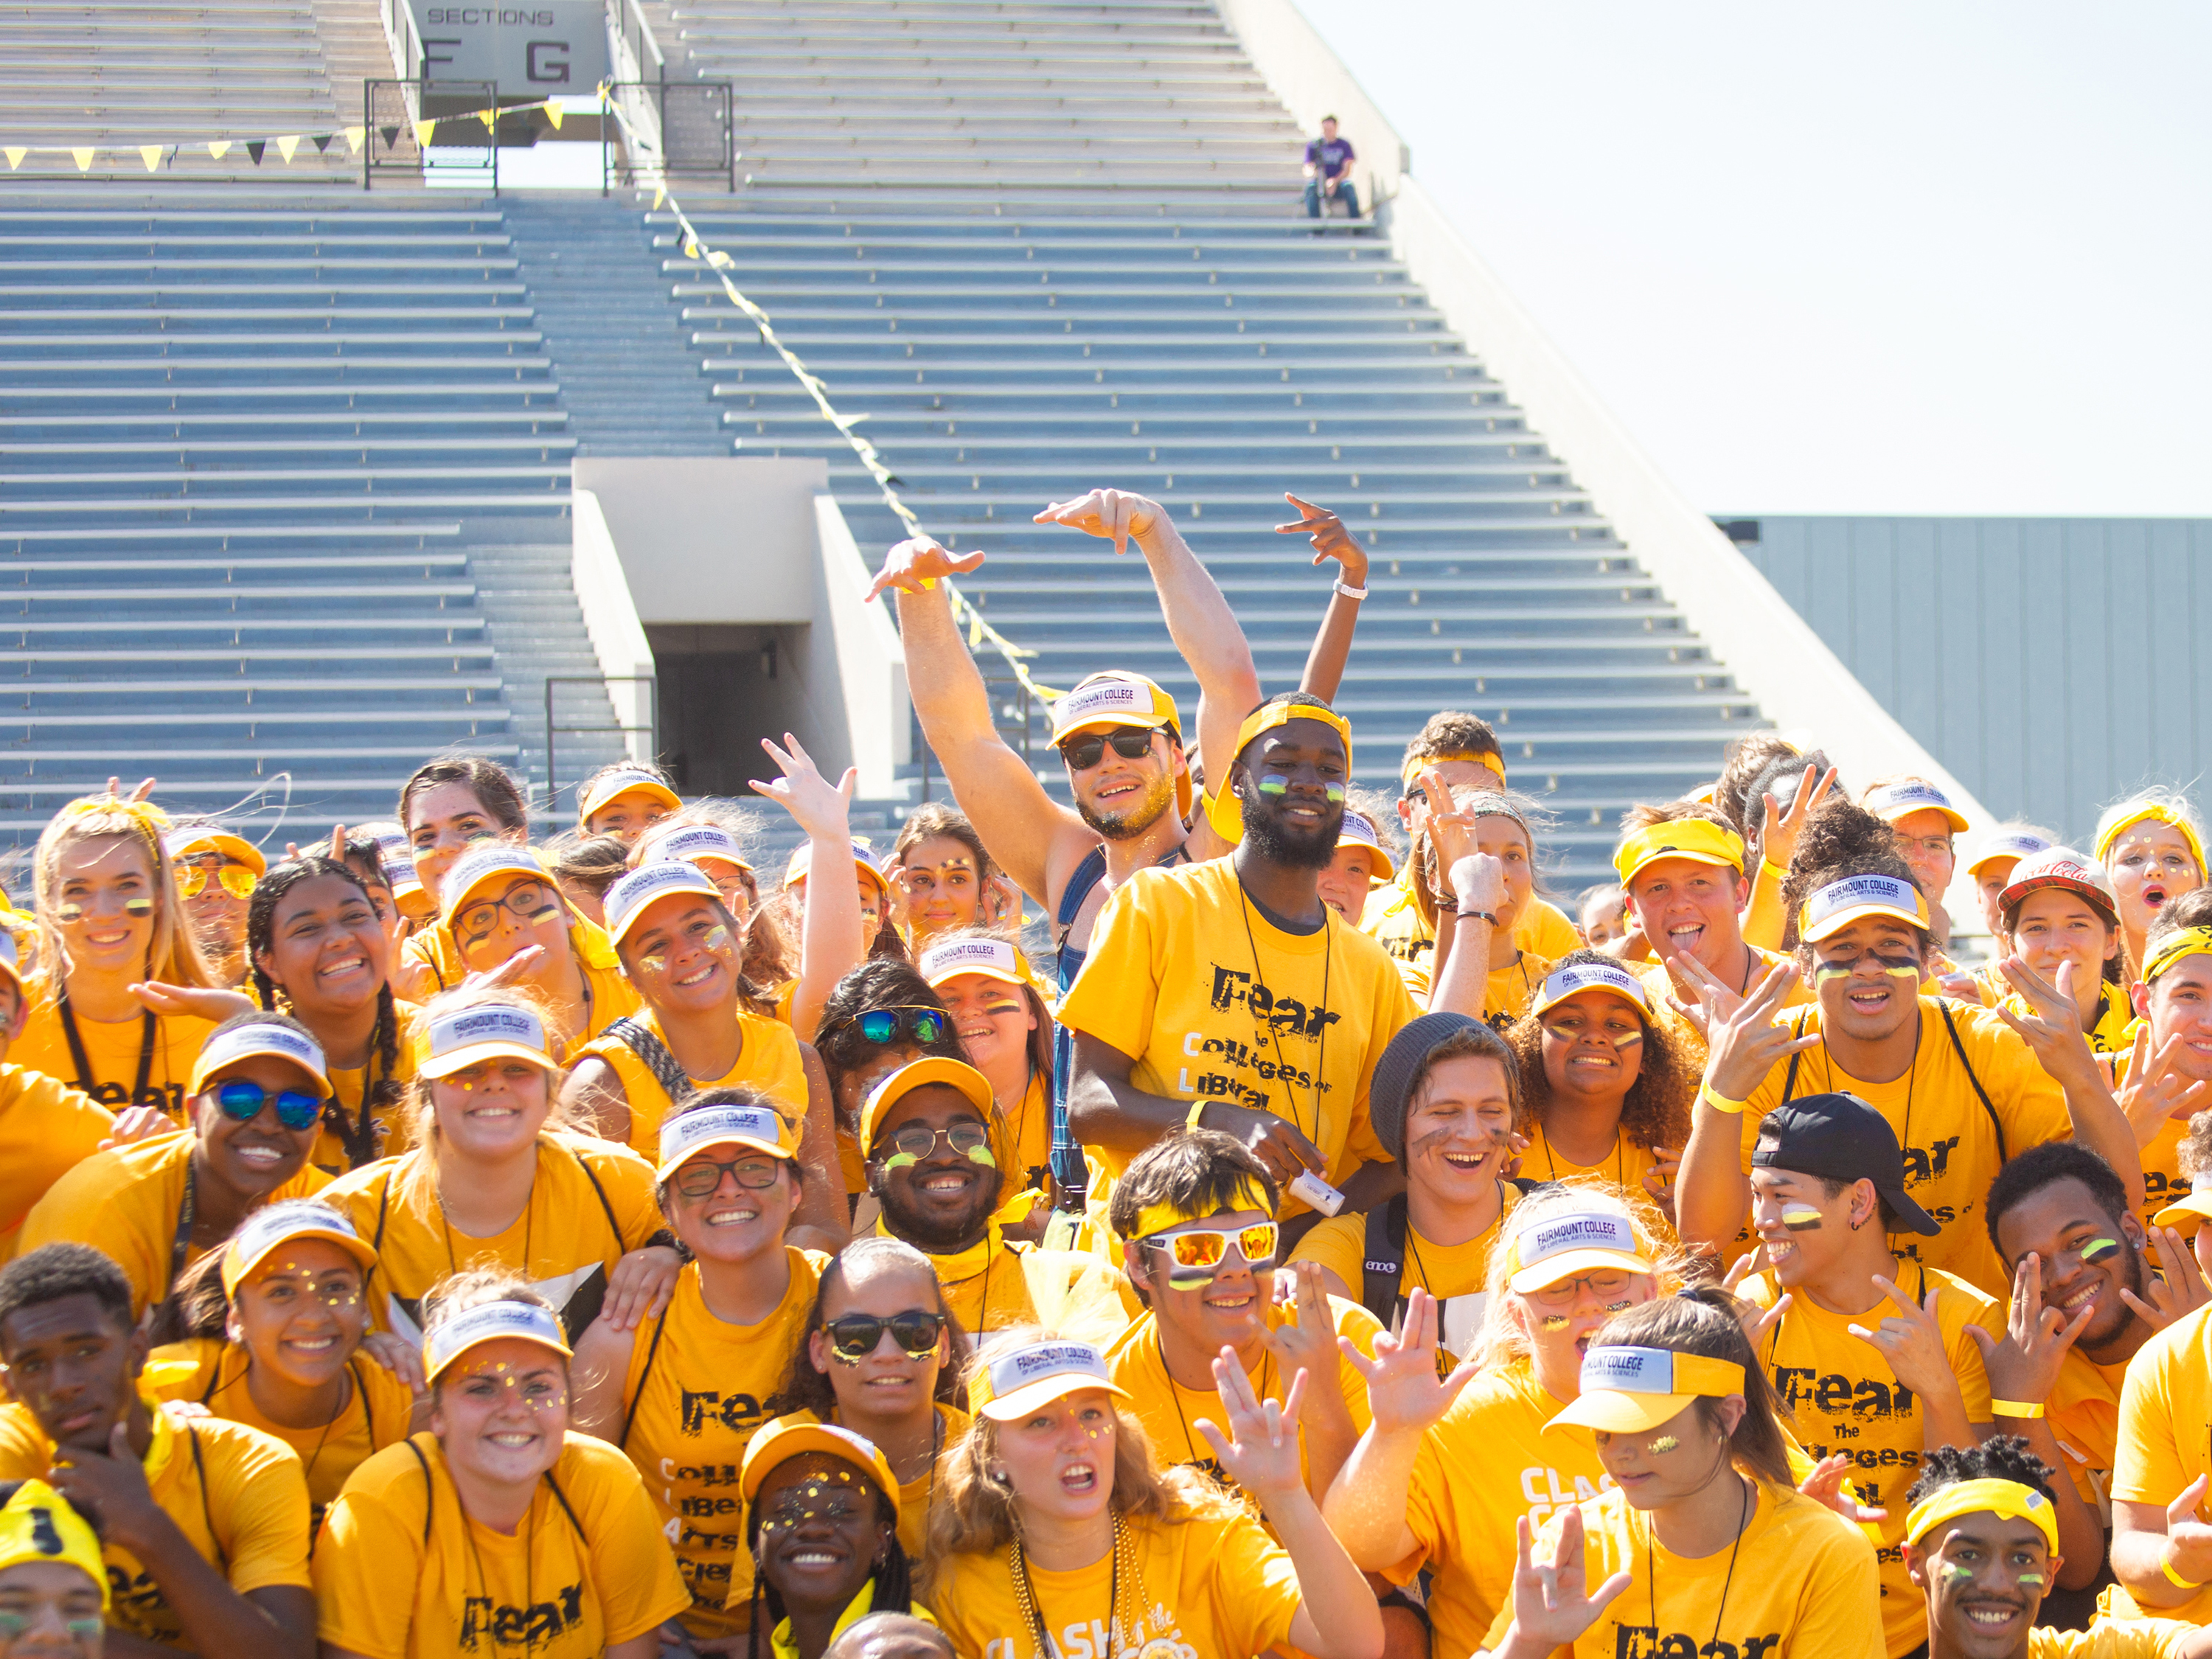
286,146
151,154
423,132
15,154
355,136
488,117
659,195
553,112
83,160
218,148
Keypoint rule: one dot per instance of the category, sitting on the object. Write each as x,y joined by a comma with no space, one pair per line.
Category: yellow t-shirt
1028,1127
350,1082
1288,1022
1453,1274
1482,1464
1167,1409
2112,1639
1216,1585
1393,918
253,1493
768,1060
1659,985
2114,1031
2163,1181
995,1285
111,1050
1950,1145
586,1567
127,1202
1623,1169
695,1392
1508,992
1800,1581
207,1371
2165,1403
1840,1395
2084,1415
46,1129
590,1205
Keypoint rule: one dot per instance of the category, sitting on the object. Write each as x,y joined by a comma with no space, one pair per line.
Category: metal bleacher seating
1046,244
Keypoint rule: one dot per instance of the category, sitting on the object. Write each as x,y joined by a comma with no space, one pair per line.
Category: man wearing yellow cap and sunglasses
1226,995
215,874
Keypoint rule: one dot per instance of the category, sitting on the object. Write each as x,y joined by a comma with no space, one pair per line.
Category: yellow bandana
1158,1218
2005,1499
1269,715
2187,942
2164,815
1415,764
39,1525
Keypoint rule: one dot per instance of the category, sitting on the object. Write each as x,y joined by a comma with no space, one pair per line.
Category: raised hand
1276,1142
1778,834
819,808
2052,1026
918,565
1260,1452
1403,1390
201,1002
1113,514
2156,1089
1551,1607
1913,1342
1307,1340
2181,1287
1827,1486
515,969
1746,1044
1449,831
2188,1539
1755,1319
136,1123
1330,538
2025,1365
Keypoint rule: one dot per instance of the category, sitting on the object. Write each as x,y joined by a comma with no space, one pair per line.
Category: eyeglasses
531,901
702,1177
243,1100
194,869
1200,1253
1084,752
917,1141
926,1026
855,1336
1568,1291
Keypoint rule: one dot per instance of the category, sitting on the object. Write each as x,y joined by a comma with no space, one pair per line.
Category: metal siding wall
2052,664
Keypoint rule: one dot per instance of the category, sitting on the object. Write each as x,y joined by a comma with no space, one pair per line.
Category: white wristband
1352,593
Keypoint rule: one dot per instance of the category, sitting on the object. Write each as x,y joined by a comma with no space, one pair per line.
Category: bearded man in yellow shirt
1226,995
203,1521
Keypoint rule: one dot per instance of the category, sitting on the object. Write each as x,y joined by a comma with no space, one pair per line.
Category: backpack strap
1789,1082
1383,1260
1088,874
639,1038
606,1208
429,1487
652,1352
1981,1094
207,1510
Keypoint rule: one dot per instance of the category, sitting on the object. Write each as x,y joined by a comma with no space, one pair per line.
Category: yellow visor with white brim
695,842
491,1322
1840,904
1564,982
1359,831
2196,1206
684,1136
2014,844
615,785
1558,1247
1013,1384
993,958
1678,838
1902,799
802,860
252,1039
1633,1390
488,1030
628,899
1115,699
280,1224
2008,1500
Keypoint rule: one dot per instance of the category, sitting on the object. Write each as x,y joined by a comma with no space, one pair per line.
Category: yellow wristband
2175,1579
1721,1103
1197,1111
1775,870
2014,1408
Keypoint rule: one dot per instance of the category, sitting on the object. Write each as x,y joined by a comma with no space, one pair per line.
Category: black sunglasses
926,1026
1084,752
854,1336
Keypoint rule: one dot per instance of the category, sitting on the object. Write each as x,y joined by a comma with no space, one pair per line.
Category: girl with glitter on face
500,1518
1054,1523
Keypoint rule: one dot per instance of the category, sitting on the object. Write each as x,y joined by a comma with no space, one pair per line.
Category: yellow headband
1415,764
2007,1499
151,819
39,1525
1158,1218
1269,715
2164,815
2187,942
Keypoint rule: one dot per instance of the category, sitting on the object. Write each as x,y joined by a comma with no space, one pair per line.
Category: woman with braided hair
313,937
110,921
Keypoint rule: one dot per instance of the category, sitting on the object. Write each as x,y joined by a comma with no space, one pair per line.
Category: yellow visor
683,1137
487,1030
1679,838
631,896
1564,982
1359,831
205,838
2007,1499
802,860
931,1068
1115,699
615,785
2015,844
1840,904
1628,1390
2196,1206
1016,1383
1269,715
491,1322
993,958
275,1224
697,842
1902,799
787,1437
39,1525
1409,774
1560,1246
248,1040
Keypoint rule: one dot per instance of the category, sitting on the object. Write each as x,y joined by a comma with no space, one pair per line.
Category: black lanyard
181,1246
85,1080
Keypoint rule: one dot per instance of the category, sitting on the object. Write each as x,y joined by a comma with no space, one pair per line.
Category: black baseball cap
1840,1138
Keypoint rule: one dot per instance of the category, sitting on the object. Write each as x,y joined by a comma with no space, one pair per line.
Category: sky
1930,259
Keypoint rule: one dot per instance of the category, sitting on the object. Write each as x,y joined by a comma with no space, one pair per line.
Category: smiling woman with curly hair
1605,1090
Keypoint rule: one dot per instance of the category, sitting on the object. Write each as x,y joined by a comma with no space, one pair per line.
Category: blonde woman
2152,845
497,1178
110,921
1054,1524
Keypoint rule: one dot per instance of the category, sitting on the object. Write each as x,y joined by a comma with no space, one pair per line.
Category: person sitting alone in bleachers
1328,171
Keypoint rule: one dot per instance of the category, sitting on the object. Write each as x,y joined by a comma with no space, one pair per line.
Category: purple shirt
1330,155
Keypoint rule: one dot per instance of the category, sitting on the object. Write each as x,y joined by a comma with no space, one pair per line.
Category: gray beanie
1401,1064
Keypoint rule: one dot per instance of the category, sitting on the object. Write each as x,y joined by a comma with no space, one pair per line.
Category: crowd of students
452,1240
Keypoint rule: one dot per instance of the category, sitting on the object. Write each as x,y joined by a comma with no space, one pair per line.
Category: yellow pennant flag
659,195
151,154
423,132
15,154
355,136
218,148
553,112
286,146
488,116
83,160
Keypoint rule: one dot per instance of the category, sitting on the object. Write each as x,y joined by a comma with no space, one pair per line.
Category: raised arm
2053,1030
829,944
1712,1194
1332,647
1032,837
